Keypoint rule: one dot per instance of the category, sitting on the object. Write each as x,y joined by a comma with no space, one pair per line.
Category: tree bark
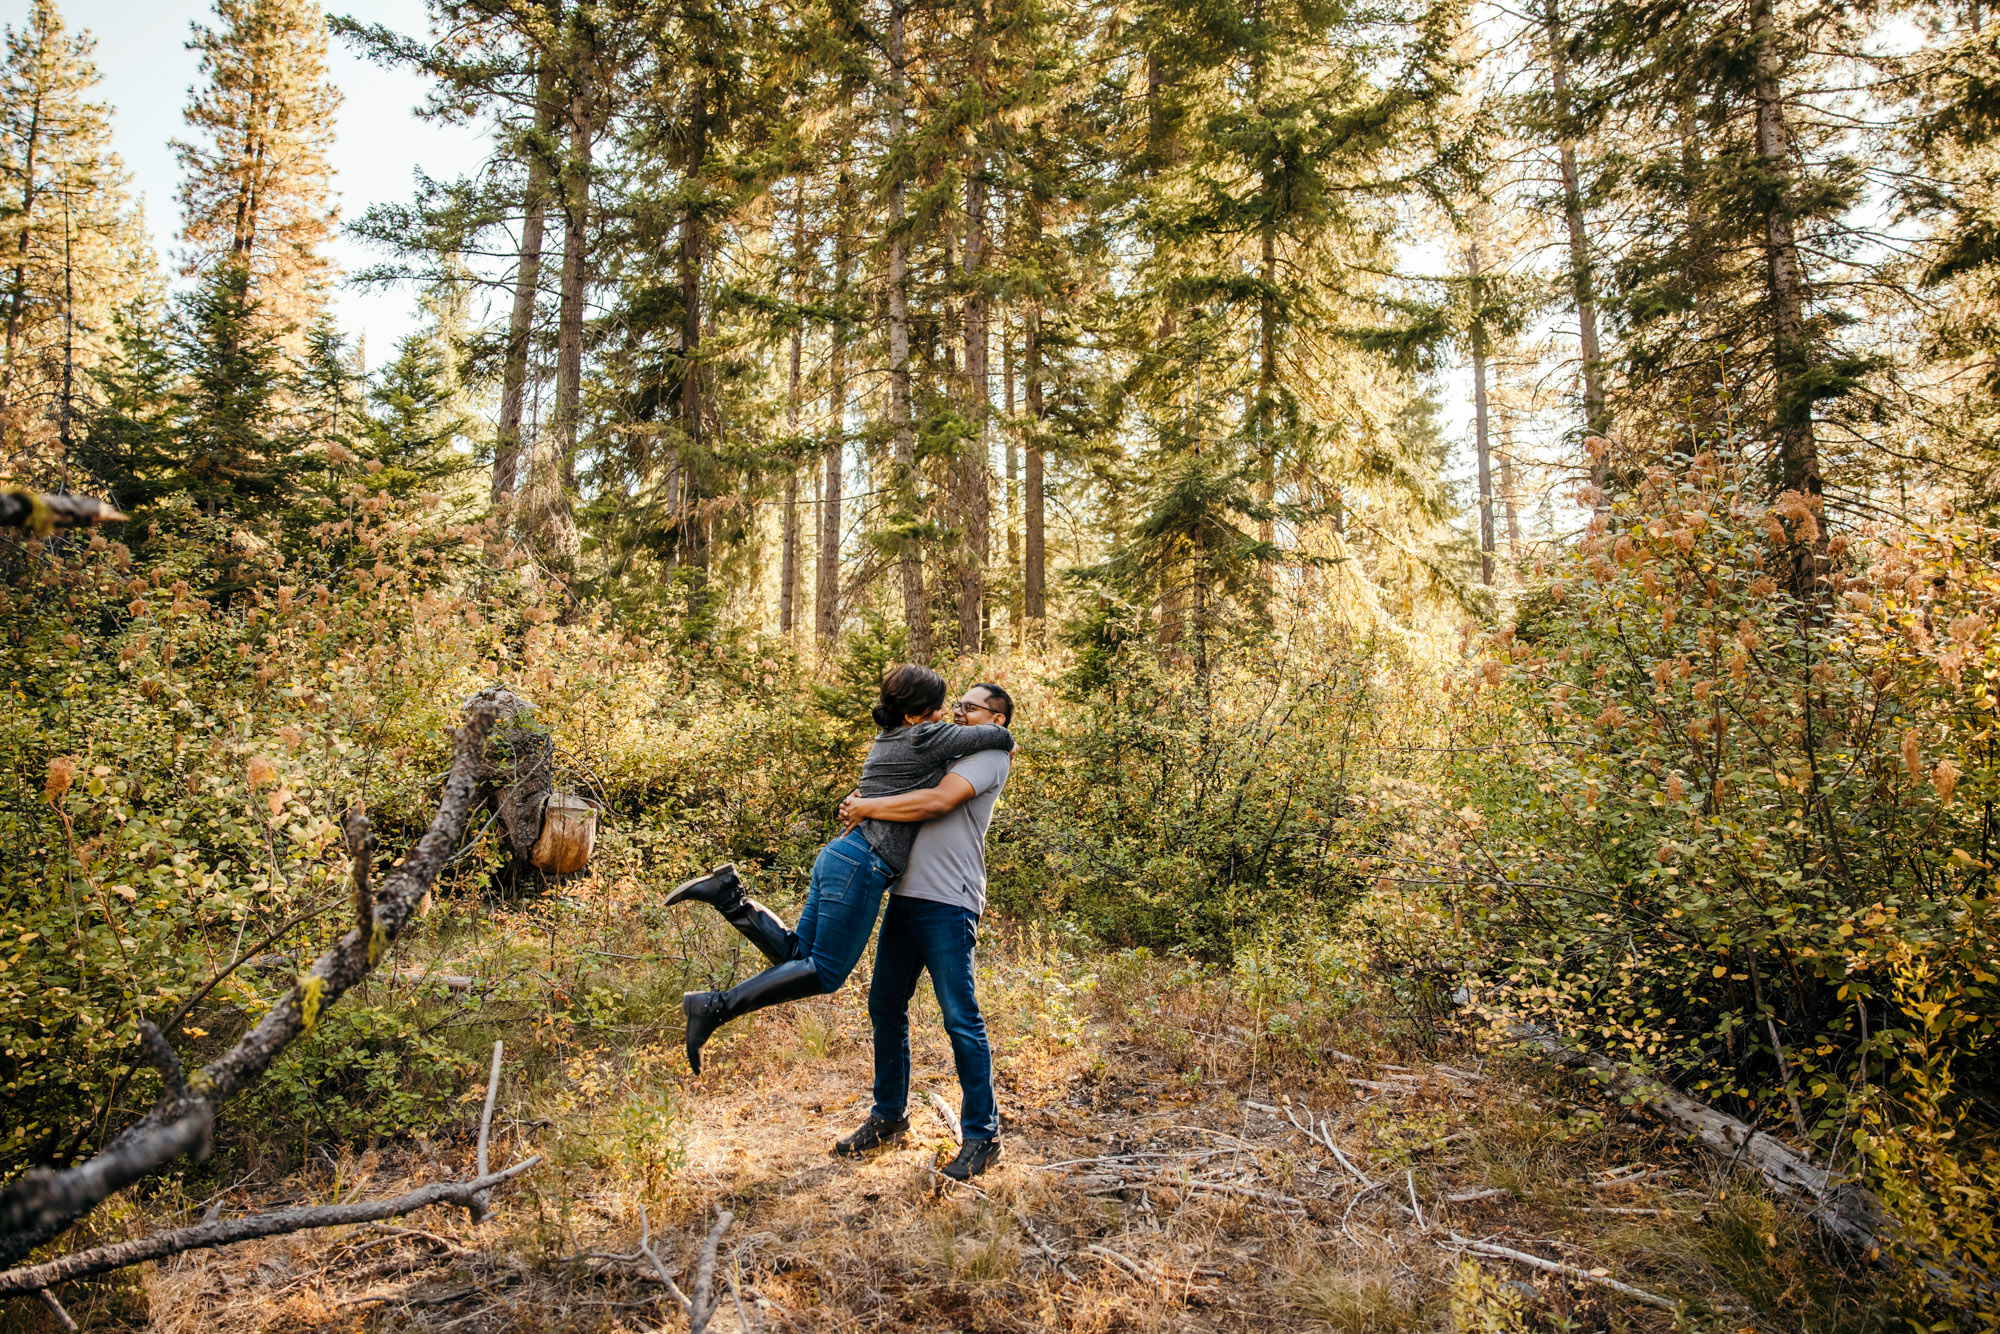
694,518
1798,451
17,299
916,604
972,465
788,564
1034,544
527,287
833,486
788,559
1011,498
1582,278
1267,384
1483,443
1508,497
575,274
1034,548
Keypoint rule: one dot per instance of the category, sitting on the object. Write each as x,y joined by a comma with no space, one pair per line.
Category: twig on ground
704,1300
1317,1130
1492,1249
646,1249
1359,1195
204,1236
56,1310
1415,1208
478,1208
750,1326
943,1110
1467,1197
1124,1262
1055,1258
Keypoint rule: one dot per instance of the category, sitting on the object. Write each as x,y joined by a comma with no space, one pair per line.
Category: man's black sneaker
874,1134
974,1157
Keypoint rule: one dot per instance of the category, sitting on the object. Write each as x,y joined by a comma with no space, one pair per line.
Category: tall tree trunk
972,466
527,284
1034,542
575,274
694,518
1791,358
832,520
17,296
788,565
1267,385
1012,498
1508,497
916,605
1479,423
1034,550
556,522
1582,280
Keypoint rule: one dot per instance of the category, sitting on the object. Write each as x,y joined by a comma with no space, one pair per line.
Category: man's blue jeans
919,935
847,884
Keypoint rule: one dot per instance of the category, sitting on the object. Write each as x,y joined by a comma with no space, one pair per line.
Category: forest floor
1153,1179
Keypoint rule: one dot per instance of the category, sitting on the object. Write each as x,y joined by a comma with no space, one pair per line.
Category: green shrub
363,1072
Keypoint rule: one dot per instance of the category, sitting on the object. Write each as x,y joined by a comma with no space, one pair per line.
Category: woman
912,750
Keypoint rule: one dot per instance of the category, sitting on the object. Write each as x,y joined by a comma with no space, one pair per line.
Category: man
931,925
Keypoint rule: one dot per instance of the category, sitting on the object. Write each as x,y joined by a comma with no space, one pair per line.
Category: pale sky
147,71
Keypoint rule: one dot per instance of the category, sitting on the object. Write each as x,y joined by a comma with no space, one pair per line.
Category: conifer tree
257,191
72,248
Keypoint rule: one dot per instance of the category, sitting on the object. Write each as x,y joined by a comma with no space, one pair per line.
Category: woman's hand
853,811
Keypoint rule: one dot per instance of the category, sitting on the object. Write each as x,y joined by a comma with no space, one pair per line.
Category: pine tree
1270,126
415,427
257,191
72,247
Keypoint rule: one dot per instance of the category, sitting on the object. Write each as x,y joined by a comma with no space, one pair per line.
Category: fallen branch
42,514
1488,1248
646,1249
1844,1208
42,1204
227,1232
943,1110
705,1298
56,1310
478,1209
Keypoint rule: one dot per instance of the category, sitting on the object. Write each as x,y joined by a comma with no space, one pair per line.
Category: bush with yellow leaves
1734,813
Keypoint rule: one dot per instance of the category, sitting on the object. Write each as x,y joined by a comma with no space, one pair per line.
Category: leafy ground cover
1155,1175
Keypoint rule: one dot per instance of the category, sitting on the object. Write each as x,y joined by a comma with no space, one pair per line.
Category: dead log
42,1203
42,514
1846,1209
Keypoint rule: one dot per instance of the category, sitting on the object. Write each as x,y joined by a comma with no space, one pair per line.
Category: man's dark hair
1003,703
907,690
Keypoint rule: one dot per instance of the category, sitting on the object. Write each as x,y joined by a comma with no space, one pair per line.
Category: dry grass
1147,1186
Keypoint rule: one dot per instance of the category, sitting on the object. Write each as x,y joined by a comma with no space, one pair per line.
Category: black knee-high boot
707,1011
722,890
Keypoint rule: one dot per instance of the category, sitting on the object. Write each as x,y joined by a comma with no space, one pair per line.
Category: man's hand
853,810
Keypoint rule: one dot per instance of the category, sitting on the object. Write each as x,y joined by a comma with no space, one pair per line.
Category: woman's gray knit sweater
906,759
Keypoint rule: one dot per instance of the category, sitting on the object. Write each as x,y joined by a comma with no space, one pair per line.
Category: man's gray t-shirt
948,863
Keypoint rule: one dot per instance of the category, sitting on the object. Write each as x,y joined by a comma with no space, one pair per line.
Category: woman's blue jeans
920,936
847,884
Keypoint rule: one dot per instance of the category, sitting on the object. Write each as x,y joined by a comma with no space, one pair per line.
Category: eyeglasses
960,706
